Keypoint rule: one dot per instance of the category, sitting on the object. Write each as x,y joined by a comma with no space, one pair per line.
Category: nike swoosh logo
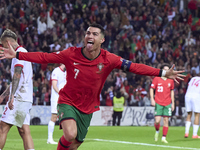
76,63
159,83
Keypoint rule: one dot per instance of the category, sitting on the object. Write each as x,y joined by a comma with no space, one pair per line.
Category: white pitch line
123,142
145,144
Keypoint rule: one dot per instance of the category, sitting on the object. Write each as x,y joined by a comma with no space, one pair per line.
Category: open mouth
90,42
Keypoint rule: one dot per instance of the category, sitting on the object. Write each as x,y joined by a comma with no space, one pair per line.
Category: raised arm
40,57
142,69
37,57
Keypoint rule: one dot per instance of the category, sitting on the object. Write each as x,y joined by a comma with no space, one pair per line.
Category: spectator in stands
192,6
45,47
68,44
42,26
44,96
109,96
146,98
56,45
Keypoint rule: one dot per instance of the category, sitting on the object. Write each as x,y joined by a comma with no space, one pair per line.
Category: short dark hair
8,34
164,65
118,94
98,26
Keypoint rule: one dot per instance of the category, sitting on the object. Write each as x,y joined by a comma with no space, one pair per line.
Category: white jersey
192,100
193,89
24,90
60,76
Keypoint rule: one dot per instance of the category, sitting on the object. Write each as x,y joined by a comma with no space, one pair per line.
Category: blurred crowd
151,32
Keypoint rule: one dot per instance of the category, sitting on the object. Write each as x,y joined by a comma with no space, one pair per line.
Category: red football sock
165,130
157,126
63,144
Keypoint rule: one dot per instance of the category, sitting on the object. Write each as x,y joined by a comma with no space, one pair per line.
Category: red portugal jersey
85,78
162,90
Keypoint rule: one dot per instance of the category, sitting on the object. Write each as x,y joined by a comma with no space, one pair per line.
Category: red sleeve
40,57
136,68
144,70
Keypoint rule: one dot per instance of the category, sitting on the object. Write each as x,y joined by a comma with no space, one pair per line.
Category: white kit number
160,88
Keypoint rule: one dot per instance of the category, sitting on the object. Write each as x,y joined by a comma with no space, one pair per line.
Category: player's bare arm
152,96
15,83
54,84
172,97
4,94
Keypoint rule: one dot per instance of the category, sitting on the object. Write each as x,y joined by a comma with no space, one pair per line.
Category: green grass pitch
110,138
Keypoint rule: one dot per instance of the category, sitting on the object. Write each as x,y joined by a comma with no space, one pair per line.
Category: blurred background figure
192,104
118,107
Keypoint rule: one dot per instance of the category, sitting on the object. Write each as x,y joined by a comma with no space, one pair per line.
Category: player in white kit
58,78
192,103
17,109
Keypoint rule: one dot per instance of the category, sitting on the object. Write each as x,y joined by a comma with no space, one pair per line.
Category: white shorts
19,115
192,104
54,107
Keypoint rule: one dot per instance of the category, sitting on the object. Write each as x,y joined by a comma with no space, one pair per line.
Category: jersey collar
17,48
61,69
85,56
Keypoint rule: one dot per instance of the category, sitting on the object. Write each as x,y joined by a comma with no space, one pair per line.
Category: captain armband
126,65
162,73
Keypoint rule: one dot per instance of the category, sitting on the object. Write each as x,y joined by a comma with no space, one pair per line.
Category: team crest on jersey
169,84
100,67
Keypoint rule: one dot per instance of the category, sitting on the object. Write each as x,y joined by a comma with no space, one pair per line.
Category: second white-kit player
192,104
58,78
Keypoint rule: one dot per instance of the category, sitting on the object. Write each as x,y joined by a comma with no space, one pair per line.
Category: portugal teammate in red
87,70
163,102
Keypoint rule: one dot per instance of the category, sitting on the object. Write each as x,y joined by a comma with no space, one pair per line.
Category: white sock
50,129
177,108
163,138
195,129
157,131
187,126
27,149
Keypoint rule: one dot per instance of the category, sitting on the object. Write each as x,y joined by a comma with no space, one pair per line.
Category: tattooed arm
5,94
15,83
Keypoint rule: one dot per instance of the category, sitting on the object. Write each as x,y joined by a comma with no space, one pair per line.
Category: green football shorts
82,120
163,110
